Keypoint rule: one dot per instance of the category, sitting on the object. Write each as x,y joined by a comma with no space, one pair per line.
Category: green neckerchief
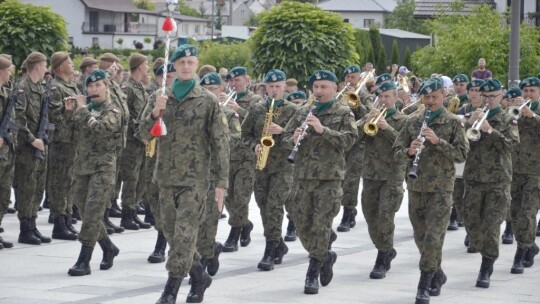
94,106
493,111
534,105
181,88
277,103
463,99
321,107
390,112
242,94
434,114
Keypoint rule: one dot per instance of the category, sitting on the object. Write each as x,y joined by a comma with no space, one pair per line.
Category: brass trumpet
352,98
370,128
516,110
402,81
342,91
232,95
473,134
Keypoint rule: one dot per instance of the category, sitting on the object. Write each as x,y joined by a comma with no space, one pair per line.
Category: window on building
94,22
185,29
95,41
369,23
197,28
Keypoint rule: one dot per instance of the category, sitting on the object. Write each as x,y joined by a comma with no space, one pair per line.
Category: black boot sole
507,239
265,266
482,284
154,259
290,237
74,273
229,249
516,270
309,290
245,235
197,300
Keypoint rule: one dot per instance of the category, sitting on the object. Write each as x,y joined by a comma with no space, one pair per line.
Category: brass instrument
419,100
473,134
516,110
267,141
338,96
403,82
231,96
352,98
150,148
370,128
311,99
453,104
413,172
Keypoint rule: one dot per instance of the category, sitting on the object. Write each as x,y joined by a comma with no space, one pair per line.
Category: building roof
428,8
400,34
352,5
120,6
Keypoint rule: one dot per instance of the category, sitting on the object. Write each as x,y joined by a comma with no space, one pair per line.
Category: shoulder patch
224,120
237,127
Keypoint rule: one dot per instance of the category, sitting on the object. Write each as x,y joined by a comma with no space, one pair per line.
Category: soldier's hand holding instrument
417,145
301,133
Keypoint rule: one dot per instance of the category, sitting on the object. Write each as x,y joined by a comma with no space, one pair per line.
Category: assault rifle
44,124
6,124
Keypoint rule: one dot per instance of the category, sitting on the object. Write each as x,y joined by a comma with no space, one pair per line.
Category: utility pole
230,12
513,68
212,22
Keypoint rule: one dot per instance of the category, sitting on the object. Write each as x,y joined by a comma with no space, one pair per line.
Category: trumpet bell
267,141
352,99
515,111
473,134
371,129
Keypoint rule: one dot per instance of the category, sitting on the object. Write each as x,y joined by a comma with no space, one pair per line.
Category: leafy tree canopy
402,18
224,55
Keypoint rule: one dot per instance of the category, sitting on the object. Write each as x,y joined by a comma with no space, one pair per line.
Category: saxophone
453,104
267,141
151,147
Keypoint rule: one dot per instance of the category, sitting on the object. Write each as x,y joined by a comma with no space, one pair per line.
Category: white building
361,14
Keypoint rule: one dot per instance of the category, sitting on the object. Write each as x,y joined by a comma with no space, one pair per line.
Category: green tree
376,43
253,20
363,45
224,55
120,42
371,56
25,28
381,61
186,10
305,1
145,4
395,53
402,18
219,20
407,59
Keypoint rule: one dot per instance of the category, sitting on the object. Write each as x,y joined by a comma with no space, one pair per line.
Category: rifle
6,124
44,124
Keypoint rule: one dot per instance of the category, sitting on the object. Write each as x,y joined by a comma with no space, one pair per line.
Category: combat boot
537,228
11,210
140,209
281,251
391,256
26,236
422,295
327,272
5,244
352,217
508,235
453,223
138,221
345,224
50,220
170,291
290,236
127,219
44,239
158,256
517,267
115,211
528,259
109,252
466,241
439,279
75,213
46,202
149,217
333,238
312,277
379,270
231,244
69,224
245,236
200,280
109,224
486,269
60,230
82,266
267,261
213,263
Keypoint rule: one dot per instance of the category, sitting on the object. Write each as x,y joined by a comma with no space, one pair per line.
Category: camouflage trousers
271,194
353,173
7,168
115,187
208,228
151,195
241,179
91,195
315,204
182,213
130,171
380,202
458,197
525,191
429,213
486,206
60,178
142,186
29,181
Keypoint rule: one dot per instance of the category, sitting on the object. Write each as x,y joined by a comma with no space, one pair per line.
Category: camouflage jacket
490,158
80,84
436,163
322,156
96,131
525,159
378,162
241,152
152,87
197,133
136,101
233,119
63,124
252,129
118,99
4,96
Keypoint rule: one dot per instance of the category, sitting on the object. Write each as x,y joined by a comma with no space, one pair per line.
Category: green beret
529,82
296,95
322,75
475,83
170,68
236,71
185,50
274,75
351,69
96,75
382,78
211,78
431,85
460,78
513,93
386,86
491,86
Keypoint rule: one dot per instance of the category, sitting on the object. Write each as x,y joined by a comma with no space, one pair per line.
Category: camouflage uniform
430,195
118,98
196,135
382,190
7,158
80,84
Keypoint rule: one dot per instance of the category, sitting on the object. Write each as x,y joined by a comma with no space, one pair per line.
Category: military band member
487,175
319,170
382,190
87,66
298,98
156,83
430,194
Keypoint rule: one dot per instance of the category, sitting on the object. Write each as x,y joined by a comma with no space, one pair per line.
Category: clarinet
292,156
413,172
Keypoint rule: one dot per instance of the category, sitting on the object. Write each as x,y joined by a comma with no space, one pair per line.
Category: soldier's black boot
517,267
486,269
453,223
312,277
466,240
109,252
140,208
439,279
327,271
170,291
26,236
213,264
158,256
267,261
75,213
231,244
281,251
109,224
44,239
528,259
245,236
60,230
115,211
391,256
69,224
51,219
200,280
127,219
149,217
138,221
5,244
422,295
333,238
352,218
508,235
345,224
11,210
537,228
82,266
290,235
379,270
46,202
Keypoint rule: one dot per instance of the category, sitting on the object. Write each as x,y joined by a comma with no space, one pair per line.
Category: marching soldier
430,194
87,66
156,83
